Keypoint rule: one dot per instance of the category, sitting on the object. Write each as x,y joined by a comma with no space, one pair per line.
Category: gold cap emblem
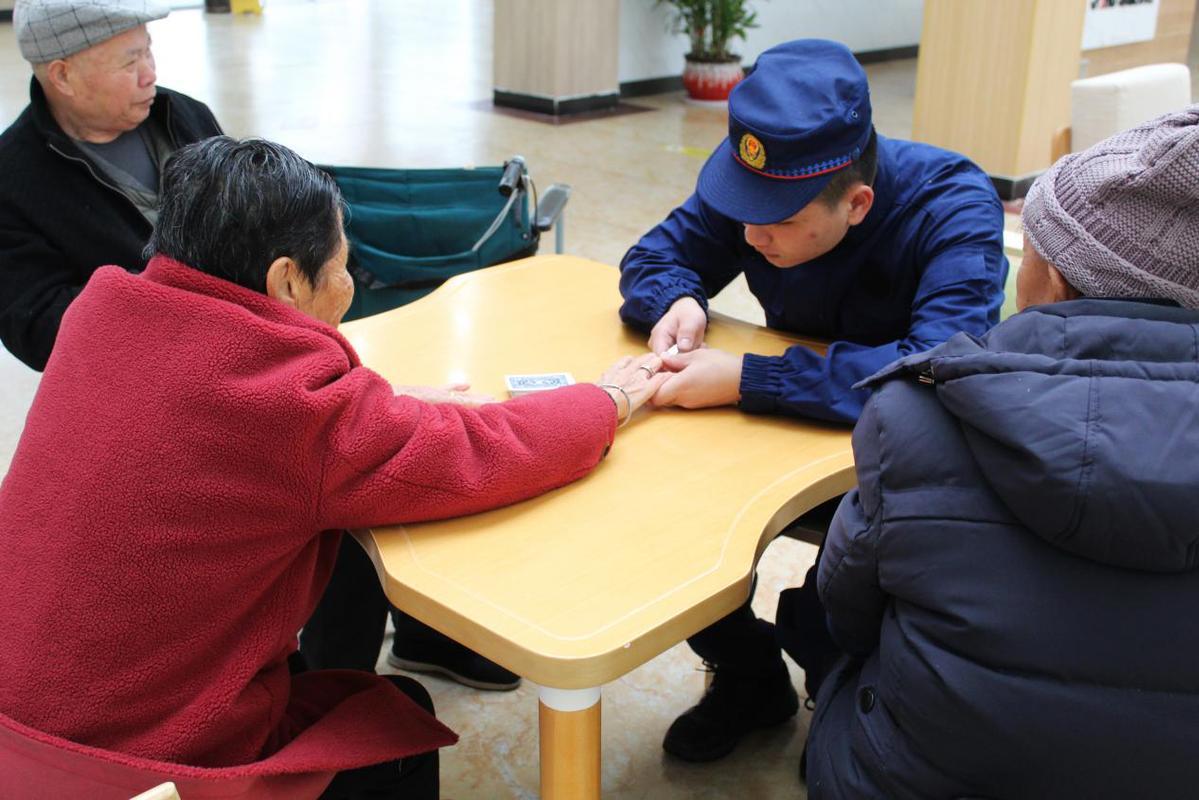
752,151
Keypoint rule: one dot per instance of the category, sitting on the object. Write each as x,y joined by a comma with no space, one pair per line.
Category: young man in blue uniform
883,247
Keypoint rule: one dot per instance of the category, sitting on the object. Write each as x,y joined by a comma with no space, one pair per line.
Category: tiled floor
404,83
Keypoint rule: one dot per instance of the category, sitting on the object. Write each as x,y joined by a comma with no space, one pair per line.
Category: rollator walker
412,229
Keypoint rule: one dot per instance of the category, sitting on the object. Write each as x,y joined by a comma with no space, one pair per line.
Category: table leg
570,743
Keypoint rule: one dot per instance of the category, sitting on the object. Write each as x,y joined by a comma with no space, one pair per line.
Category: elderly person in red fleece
201,436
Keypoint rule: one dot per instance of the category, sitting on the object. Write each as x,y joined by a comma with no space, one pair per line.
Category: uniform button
866,699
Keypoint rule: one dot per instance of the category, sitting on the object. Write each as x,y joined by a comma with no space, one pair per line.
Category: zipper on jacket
97,178
87,164
170,133
926,375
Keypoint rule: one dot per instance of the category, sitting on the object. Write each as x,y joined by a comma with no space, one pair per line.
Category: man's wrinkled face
114,82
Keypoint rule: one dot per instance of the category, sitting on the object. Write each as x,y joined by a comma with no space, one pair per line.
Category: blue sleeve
692,253
960,289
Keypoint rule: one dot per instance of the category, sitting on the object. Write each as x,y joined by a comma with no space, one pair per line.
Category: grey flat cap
52,29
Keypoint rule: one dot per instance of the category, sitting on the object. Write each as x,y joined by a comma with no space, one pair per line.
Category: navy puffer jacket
1016,574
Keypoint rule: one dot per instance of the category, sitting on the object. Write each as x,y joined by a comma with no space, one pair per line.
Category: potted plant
712,70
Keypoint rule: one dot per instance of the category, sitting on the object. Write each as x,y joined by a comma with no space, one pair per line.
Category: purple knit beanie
1121,219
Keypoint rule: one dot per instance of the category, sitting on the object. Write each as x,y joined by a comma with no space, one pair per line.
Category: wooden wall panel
993,79
1052,67
557,48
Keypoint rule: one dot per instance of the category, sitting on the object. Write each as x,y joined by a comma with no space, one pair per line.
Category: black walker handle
510,180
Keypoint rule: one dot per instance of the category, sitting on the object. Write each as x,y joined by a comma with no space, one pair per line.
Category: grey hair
230,208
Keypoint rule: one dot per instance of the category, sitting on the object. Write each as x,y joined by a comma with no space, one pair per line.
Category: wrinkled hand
456,393
682,324
700,379
640,377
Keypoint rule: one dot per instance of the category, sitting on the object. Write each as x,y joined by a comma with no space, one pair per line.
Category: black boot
419,648
733,706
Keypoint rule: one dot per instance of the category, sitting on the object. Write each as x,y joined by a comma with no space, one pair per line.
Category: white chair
1107,104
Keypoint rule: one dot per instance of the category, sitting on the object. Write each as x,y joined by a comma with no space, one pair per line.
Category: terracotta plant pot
711,81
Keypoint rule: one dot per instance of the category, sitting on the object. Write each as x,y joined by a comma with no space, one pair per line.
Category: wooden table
580,586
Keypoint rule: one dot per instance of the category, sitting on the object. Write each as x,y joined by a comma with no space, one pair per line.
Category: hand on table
451,393
682,324
639,377
701,378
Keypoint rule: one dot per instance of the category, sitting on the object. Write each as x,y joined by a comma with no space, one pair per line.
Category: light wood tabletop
575,588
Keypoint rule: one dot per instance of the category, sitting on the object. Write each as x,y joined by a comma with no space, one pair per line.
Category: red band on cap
791,177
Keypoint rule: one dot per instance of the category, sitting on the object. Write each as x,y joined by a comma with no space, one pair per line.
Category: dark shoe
732,707
433,652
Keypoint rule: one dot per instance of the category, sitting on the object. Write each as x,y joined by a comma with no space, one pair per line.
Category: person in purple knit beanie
999,607
1120,219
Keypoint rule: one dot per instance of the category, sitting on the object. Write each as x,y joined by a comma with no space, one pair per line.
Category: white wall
649,50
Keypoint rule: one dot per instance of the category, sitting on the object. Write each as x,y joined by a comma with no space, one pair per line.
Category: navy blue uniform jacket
926,263
1018,569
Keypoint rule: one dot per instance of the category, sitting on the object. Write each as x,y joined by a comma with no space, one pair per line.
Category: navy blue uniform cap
802,115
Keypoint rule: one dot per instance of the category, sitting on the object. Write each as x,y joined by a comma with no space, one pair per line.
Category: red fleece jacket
170,520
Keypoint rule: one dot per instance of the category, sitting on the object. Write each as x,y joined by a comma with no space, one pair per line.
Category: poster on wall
1113,22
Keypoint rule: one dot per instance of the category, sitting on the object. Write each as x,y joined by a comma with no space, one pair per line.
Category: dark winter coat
61,218
1017,570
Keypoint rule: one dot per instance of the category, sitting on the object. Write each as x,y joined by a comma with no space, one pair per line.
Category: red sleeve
396,459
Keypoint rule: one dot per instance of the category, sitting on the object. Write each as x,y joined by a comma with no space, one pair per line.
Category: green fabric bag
410,230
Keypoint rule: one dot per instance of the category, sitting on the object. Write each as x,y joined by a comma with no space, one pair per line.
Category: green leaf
711,24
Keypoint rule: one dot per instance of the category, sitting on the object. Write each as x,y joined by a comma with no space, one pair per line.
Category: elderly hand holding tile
630,382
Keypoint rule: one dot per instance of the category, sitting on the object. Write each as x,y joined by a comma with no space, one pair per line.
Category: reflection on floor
406,83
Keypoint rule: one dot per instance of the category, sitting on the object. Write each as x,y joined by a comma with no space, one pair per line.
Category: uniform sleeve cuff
761,383
671,294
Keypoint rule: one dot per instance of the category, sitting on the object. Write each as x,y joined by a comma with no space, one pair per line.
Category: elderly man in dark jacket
1014,578
81,163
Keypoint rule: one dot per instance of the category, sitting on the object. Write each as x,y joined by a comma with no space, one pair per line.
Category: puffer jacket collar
1084,418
